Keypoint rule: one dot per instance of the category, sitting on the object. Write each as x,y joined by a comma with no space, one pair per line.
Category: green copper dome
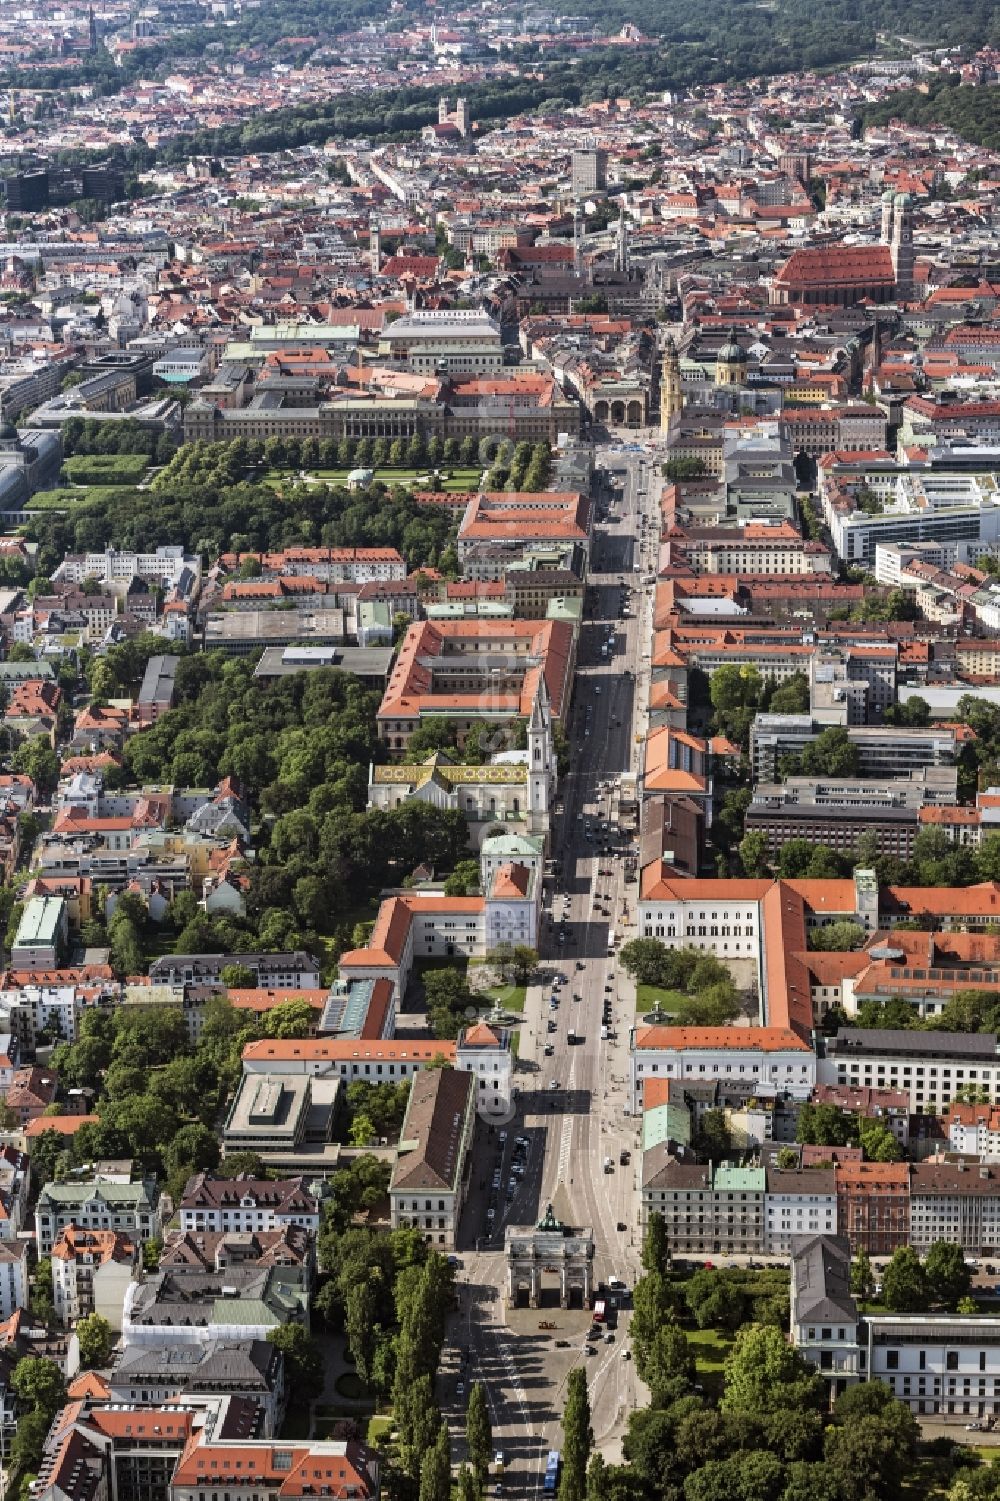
731,353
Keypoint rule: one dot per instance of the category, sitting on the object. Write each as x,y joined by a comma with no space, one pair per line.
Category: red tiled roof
837,266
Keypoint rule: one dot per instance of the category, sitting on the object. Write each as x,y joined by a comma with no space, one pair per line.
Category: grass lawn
379,1426
710,1348
157,945
327,1427
386,475
509,997
648,997
460,479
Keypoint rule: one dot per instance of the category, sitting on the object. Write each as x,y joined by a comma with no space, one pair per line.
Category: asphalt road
573,1127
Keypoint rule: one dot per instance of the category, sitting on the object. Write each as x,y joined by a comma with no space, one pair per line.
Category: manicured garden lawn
710,1348
440,961
648,997
461,479
378,1426
509,997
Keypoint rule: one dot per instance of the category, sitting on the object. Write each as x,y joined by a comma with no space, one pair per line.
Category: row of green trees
391,1295
964,1011
935,860
911,1285
85,435
236,459
525,466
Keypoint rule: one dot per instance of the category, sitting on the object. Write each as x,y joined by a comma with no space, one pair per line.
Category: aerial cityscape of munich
499,750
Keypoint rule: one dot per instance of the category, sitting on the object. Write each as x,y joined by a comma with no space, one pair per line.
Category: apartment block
873,1205
100,1204
91,1272
958,1202
798,1201
246,1204
718,1210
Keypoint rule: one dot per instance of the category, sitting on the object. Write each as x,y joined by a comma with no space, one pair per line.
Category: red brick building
873,1205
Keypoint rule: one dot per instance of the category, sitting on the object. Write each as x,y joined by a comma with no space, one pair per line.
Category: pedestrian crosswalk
566,1139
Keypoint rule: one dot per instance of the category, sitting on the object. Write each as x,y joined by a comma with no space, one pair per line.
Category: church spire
541,760
621,243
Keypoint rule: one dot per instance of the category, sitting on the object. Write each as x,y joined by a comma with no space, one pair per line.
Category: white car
553,1083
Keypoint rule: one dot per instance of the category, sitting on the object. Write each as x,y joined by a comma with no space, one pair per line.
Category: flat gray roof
905,1043
365,661
158,679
